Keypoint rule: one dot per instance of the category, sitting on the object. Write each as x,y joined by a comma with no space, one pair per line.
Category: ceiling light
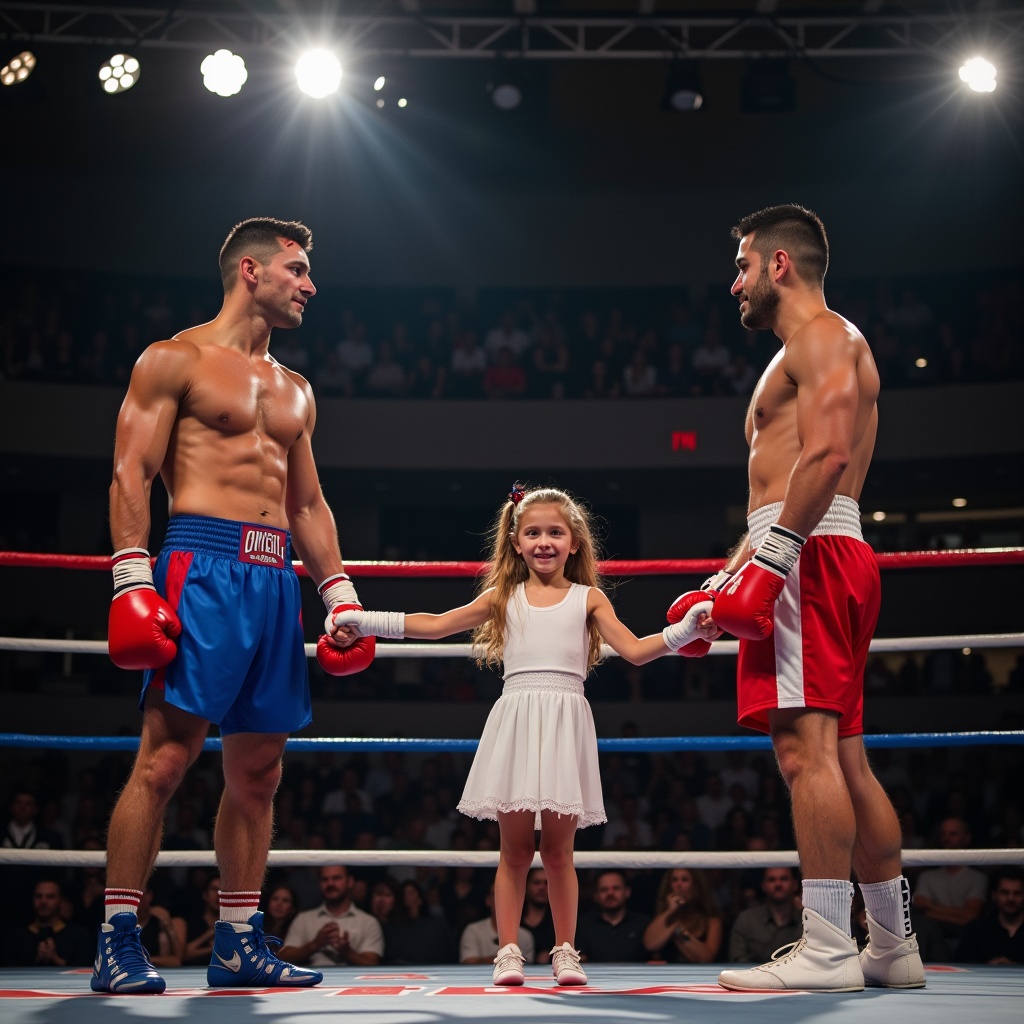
379,83
683,90
979,74
119,73
959,503
318,73
224,73
18,68
878,516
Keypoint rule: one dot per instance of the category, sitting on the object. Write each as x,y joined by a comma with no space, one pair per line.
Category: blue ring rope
651,745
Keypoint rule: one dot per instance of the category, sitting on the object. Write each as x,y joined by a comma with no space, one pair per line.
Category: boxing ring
616,993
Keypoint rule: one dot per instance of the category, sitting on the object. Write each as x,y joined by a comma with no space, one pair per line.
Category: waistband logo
263,546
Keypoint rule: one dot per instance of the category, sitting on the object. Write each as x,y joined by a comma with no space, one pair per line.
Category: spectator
336,932
601,382
537,914
741,375
289,351
711,361
627,830
385,377
506,335
463,897
163,937
355,353
467,367
504,379
280,910
611,932
48,940
414,936
426,379
997,938
199,930
479,941
549,374
676,375
639,378
686,927
760,930
714,804
333,379
87,896
23,832
953,895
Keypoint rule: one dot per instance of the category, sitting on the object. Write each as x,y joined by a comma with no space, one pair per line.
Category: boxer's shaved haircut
261,238
794,228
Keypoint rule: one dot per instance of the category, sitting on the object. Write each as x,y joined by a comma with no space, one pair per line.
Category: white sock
889,904
120,901
832,898
238,906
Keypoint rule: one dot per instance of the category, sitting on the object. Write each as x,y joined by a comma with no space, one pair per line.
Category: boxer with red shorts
801,593
825,618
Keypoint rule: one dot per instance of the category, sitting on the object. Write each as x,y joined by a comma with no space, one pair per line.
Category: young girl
542,615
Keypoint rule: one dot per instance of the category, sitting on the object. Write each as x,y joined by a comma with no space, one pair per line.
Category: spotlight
403,102
378,83
119,73
318,73
18,69
959,503
224,73
506,95
979,74
767,87
683,90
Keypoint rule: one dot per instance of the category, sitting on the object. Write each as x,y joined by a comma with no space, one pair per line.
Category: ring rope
612,567
435,650
489,858
650,744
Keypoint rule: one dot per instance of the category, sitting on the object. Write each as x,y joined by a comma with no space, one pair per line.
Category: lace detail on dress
487,810
542,682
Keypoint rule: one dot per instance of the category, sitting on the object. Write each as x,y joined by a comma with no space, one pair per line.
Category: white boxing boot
508,965
889,961
824,959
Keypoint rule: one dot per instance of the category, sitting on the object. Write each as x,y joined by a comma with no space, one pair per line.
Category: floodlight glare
318,73
979,74
224,72
403,102
18,69
119,73
379,83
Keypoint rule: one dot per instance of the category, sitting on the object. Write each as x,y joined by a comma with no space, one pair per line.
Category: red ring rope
616,567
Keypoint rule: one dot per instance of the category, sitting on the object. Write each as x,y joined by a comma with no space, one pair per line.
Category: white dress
538,750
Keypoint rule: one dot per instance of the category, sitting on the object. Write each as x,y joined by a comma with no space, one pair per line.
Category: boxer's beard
762,305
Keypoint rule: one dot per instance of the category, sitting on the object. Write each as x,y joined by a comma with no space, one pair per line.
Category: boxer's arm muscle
314,533
823,363
144,426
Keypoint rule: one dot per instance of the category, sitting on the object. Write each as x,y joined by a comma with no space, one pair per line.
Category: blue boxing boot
122,963
241,957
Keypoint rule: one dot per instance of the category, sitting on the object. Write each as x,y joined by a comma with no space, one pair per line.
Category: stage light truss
538,38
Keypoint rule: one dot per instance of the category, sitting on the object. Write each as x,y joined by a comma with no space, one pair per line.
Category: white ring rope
434,650
489,858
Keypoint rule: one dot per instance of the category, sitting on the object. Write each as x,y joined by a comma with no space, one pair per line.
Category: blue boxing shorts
241,663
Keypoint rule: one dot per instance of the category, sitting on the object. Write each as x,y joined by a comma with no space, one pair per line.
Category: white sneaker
565,963
508,965
824,959
889,961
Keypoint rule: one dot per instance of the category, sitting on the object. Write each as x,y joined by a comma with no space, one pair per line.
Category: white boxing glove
390,625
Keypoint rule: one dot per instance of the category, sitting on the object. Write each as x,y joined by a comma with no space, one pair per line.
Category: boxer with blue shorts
241,662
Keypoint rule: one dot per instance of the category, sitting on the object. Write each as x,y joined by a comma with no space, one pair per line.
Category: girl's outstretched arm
416,626
638,650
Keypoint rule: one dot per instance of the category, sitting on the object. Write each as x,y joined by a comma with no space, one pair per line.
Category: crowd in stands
629,344
338,914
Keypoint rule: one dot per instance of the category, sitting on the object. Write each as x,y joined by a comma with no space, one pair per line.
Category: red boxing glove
345,661
746,605
141,625
710,587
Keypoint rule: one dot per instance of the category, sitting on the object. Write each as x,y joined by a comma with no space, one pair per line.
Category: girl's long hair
508,569
701,906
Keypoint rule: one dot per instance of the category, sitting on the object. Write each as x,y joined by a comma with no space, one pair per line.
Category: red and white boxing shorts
825,618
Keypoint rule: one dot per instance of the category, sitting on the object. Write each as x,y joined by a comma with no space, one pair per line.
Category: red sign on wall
684,440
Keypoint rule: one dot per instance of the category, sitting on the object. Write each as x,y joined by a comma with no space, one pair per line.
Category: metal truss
536,38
